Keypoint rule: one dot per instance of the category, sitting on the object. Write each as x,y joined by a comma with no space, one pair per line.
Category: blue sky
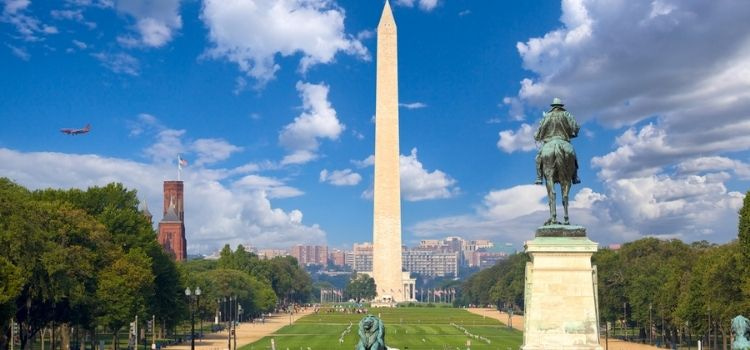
272,102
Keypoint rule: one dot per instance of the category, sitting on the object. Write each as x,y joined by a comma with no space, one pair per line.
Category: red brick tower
172,226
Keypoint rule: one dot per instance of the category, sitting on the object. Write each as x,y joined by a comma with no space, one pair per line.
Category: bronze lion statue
371,334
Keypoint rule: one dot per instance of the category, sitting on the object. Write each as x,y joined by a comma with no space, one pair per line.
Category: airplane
69,131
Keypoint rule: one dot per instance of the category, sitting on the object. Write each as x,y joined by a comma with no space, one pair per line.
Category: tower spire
387,264
386,18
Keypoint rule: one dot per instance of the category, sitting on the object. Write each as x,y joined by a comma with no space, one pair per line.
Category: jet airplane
69,131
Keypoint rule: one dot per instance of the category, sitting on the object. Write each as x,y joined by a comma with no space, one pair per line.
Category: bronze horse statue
556,160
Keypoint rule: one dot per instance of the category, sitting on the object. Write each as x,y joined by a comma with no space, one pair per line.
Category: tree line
666,287
89,260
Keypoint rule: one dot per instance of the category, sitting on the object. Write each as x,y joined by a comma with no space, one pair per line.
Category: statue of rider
558,123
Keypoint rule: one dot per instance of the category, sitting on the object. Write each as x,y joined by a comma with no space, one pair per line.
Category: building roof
171,214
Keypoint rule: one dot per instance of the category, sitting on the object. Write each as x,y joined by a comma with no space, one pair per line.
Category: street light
650,326
197,297
227,301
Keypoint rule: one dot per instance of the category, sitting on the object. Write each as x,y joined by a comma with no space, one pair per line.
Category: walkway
614,344
246,333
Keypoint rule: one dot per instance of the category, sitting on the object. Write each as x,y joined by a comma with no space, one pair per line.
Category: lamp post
193,296
229,325
709,327
234,322
625,319
650,326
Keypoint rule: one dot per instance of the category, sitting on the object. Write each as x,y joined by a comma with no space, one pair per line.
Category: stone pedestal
561,293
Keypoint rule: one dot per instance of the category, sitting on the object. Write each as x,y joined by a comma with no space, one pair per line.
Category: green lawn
406,328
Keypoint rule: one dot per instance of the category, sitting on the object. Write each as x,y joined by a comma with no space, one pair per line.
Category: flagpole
179,167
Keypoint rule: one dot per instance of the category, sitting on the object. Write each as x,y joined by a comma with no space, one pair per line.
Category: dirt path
246,333
518,324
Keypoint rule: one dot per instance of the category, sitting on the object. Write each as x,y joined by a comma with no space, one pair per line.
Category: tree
744,229
255,295
360,286
511,279
124,290
714,288
499,284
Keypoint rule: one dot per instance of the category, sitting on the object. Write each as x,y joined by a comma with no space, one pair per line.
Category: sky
272,104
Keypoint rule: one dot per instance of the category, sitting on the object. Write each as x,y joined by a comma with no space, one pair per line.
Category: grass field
406,328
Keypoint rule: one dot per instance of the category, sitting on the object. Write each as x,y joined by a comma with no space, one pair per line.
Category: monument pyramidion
392,284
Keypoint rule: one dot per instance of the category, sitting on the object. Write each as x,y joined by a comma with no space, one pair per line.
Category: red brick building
172,226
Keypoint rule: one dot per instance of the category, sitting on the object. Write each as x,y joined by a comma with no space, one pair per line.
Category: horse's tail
560,158
564,159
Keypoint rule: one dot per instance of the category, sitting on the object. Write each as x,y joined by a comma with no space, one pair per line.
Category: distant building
271,253
468,248
427,259
310,254
362,257
172,226
431,262
349,259
145,212
337,258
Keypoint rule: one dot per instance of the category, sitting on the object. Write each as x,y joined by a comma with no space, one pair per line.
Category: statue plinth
560,291
561,231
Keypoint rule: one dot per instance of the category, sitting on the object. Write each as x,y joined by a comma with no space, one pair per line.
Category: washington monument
392,285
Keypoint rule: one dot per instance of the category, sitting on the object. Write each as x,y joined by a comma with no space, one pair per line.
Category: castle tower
392,284
172,226
173,191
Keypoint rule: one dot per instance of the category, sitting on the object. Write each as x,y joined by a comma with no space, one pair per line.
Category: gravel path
518,324
246,333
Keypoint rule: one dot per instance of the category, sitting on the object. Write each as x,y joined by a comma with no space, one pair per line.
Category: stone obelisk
386,232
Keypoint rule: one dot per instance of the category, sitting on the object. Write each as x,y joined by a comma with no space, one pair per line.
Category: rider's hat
557,102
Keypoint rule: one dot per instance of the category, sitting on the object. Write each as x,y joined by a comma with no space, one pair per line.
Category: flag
181,162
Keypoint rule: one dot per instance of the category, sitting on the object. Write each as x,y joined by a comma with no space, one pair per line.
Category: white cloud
413,105
514,202
620,63
690,208
79,44
521,139
240,83
215,213
369,161
273,187
344,177
707,164
417,183
318,120
212,150
155,21
167,146
74,15
252,33
120,63
19,52
144,122
171,142
28,27
424,5
515,108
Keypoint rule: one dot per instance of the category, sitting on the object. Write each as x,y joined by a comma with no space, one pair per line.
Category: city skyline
272,108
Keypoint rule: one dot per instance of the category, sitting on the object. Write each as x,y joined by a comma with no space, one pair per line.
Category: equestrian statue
556,160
